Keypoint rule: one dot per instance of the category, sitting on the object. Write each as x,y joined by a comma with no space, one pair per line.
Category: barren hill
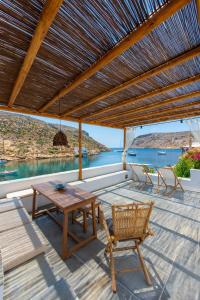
25,138
162,140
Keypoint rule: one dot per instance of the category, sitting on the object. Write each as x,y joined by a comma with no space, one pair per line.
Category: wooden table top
68,198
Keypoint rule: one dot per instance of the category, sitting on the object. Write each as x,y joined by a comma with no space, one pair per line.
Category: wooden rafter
141,97
155,20
174,116
49,12
160,112
144,108
161,68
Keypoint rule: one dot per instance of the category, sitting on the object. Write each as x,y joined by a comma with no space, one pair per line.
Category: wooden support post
124,164
198,9
80,151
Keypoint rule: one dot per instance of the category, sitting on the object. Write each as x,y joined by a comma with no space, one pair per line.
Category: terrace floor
172,254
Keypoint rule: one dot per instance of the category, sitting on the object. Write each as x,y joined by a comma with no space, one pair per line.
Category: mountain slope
162,140
25,137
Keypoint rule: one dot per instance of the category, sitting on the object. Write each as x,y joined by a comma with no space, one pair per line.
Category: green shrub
151,170
182,168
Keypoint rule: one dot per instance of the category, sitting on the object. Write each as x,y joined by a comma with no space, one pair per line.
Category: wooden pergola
108,63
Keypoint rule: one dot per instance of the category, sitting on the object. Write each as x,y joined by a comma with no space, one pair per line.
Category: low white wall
191,184
68,176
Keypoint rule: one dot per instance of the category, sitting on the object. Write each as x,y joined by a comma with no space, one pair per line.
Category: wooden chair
140,173
168,178
86,211
129,222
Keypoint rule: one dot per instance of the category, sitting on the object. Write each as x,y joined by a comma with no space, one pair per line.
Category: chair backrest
131,220
168,175
138,171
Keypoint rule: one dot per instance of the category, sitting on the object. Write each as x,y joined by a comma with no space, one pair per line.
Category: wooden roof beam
144,108
160,112
48,14
155,20
176,115
139,98
152,72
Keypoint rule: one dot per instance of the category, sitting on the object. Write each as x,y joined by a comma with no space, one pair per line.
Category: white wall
191,184
68,176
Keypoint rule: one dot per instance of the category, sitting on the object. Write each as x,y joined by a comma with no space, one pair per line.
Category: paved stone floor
172,254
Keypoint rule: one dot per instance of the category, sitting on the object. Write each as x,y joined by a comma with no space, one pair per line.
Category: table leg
65,237
94,225
34,204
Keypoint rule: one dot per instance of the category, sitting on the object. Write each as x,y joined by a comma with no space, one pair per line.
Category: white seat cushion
1,278
13,218
10,204
21,244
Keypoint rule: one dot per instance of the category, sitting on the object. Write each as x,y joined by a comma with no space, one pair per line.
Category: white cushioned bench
1,277
20,244
26,196
10,204
13,218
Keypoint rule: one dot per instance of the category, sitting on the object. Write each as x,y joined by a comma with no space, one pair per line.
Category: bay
31,168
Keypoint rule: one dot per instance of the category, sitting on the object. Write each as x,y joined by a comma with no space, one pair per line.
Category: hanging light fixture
60,139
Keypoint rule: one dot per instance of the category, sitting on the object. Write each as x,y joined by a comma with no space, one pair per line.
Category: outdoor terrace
171,254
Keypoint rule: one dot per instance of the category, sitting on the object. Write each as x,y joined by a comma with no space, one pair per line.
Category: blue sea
31,168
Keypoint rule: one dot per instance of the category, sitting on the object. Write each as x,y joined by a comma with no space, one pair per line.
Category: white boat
162,152
7,172
132,153
3,161
118,150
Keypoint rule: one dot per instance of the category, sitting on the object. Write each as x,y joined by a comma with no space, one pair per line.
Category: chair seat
88,206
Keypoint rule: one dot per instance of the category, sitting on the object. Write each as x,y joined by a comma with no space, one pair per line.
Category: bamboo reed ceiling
113,63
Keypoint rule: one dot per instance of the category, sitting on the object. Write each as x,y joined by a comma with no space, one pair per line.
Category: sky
114,137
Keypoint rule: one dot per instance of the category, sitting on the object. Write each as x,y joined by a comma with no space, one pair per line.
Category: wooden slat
160,112
80,151
164,13
170,117
141,97
49,12
161,68
160,104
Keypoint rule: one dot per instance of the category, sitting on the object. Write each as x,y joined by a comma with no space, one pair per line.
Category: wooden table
67,200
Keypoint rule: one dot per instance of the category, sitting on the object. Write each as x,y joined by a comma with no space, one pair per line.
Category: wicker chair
129,222
168,178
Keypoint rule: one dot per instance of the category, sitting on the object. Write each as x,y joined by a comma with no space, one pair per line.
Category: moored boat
8,172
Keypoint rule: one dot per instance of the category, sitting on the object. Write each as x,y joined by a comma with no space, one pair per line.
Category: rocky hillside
163,140
26,138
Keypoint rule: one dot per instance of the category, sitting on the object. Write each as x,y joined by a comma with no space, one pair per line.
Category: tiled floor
172,254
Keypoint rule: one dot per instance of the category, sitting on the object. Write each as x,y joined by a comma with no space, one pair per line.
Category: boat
162,152
118,150
7,172
132,153
3,161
